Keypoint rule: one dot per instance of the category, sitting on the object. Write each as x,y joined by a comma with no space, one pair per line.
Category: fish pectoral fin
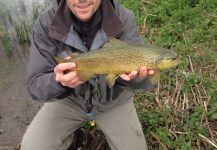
85,75
60,60
73,55
113,42
110,80
155,79
66,59
57,59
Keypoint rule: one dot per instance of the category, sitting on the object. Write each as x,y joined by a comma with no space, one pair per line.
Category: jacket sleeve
131,35
41,82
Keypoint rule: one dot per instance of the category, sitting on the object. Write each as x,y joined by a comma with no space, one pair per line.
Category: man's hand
66,75
143,72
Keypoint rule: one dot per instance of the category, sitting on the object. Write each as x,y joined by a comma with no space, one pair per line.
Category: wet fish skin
118,57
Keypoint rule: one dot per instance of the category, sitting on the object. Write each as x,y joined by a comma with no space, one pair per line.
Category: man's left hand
142,73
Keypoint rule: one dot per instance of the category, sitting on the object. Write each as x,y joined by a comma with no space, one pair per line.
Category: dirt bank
17,109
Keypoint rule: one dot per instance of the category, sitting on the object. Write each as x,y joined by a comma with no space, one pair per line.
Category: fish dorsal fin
113,42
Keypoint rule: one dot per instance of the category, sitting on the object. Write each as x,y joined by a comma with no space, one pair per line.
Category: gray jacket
53,35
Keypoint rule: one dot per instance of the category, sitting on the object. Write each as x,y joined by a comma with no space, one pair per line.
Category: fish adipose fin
155,79
110,80
113,42
85,75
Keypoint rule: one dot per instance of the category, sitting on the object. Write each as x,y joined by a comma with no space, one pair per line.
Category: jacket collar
62,22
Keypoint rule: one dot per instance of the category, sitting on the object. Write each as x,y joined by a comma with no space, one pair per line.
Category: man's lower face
83,9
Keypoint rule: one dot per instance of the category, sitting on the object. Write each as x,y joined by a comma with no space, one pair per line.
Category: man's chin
85,17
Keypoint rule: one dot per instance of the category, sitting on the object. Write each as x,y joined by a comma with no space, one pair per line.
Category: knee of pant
31,143
43,143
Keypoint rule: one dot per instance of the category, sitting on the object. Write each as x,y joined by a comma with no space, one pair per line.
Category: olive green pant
55,123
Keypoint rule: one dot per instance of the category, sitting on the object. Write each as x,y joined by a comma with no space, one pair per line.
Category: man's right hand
66,75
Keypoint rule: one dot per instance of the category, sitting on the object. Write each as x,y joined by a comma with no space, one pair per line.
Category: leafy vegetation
181,112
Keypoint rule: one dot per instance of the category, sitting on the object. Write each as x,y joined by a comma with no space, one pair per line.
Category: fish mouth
169,63
177,60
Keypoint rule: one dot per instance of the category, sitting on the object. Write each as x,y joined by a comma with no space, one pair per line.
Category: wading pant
55,123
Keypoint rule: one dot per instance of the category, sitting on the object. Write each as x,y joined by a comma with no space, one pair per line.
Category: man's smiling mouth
82,6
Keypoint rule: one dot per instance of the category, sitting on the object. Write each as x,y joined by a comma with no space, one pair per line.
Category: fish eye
174,58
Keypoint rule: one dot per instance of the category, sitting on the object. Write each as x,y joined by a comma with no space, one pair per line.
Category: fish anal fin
85,75
110,80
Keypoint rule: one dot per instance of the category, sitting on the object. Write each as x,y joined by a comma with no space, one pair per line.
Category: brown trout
117,57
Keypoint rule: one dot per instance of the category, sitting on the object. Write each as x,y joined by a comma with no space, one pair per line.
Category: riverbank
17,109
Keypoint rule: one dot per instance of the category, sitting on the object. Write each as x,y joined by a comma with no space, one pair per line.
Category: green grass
6,43
22,31
183,107
17,27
